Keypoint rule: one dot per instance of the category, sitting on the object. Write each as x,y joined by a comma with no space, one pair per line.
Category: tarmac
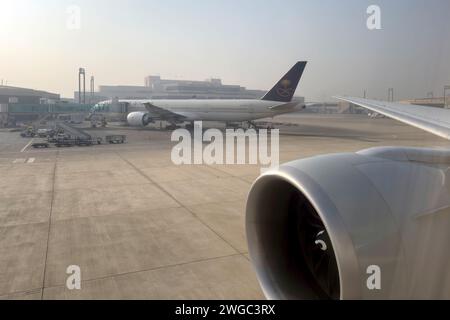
140,227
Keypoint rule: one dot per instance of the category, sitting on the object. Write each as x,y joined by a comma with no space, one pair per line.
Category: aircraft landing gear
252,125
171,126
232,125
190,126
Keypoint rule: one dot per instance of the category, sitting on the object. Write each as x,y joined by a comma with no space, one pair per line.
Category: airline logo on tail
285,90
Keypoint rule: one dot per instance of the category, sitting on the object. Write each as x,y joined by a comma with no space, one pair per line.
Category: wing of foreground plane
314,225
434,120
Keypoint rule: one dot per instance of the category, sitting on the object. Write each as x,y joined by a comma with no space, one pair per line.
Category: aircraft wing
161,113
431,119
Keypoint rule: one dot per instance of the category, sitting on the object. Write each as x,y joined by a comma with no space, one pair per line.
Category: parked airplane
277,101
368,225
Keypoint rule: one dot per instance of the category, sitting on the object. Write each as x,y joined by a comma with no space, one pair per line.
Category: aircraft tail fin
284,90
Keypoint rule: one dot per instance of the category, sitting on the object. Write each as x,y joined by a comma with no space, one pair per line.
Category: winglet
284,90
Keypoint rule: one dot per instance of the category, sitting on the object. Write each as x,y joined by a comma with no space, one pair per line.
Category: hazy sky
251,43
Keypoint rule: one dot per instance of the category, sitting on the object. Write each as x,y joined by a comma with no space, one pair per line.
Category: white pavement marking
31,160
19,161
29,143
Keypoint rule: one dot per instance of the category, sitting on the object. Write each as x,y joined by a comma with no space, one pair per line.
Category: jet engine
368,225
138,119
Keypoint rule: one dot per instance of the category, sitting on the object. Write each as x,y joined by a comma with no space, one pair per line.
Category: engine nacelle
368,225
138,119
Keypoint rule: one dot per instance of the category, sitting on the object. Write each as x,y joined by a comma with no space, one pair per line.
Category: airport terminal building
157,88
22,104
11,95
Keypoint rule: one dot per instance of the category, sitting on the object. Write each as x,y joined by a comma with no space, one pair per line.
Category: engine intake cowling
138,119
323,227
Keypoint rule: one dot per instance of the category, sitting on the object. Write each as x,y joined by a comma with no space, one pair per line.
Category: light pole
92,89
446,106
391,94
81,74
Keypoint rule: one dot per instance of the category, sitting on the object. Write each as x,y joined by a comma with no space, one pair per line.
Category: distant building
208,89
430,102
157,88
125,92
11,95
96,98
